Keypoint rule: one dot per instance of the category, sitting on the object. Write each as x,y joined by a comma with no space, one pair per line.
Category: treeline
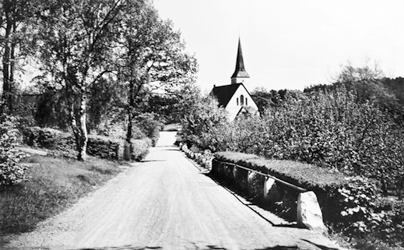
97,64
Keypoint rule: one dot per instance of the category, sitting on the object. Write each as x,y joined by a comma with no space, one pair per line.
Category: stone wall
297,204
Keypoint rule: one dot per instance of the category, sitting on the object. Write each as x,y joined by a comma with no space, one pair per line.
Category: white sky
288,44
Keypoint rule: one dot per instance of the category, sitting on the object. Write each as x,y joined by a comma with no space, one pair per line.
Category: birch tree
76,43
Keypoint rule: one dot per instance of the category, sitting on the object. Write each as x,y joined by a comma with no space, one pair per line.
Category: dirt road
165,202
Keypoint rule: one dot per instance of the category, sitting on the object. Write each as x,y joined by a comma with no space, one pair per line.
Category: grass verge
54,184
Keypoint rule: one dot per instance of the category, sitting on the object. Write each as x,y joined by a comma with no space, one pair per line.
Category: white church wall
235,103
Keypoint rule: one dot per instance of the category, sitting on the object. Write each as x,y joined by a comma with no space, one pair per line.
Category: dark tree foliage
273,98
396,86
51,110
163,105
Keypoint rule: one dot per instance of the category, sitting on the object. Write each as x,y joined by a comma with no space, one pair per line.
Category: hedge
100,146
304,175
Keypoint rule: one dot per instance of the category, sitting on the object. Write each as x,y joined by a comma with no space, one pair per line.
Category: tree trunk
7,82
131,103
78,123
81,135
129,134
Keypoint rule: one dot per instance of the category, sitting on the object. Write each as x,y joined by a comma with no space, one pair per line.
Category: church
234,97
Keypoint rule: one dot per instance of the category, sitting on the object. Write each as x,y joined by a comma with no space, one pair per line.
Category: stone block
309,213
255,182
271,191
227,171
235,169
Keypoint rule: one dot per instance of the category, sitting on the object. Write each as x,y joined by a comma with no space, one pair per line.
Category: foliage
301,174
104,57
104,108
204,123
367,217
62,143
76,41
149,125
140,149
271,99
395,86
174,105
357,205
10,171
203,158
391,228
16,17
152,57
51,108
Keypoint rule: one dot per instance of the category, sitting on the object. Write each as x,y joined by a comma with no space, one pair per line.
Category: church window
246,101
237,101
242,100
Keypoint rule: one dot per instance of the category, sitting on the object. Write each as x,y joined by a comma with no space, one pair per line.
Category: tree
15,16
76,45
151,56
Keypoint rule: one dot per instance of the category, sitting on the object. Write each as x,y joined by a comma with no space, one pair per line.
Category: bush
206,126
103,147
140,149
149,124
48,138
10,172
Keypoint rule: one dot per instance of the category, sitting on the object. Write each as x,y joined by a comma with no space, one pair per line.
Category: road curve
165,203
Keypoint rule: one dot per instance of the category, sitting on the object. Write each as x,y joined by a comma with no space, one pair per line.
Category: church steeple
239,75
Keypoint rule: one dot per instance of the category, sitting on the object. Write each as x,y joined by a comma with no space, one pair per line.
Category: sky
288,44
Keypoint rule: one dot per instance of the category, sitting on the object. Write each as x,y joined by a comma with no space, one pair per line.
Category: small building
235,97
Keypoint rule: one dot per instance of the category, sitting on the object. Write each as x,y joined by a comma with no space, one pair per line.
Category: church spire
239,74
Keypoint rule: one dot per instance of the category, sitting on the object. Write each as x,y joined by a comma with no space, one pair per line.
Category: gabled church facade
235,97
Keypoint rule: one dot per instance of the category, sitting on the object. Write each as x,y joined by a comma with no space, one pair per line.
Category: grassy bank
54,184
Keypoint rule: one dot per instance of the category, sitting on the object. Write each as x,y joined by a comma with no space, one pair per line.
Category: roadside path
165,203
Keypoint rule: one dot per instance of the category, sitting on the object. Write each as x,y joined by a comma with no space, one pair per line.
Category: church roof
240,71
224,93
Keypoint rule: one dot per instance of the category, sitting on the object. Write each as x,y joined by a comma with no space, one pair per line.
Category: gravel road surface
166,203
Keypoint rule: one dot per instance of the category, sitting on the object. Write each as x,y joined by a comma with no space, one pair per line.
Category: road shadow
171,149
251,201
207,247
278,248
319,246
145,161
128,247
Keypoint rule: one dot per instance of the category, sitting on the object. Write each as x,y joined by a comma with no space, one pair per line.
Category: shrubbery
140,148
104,147
148,124
10,171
